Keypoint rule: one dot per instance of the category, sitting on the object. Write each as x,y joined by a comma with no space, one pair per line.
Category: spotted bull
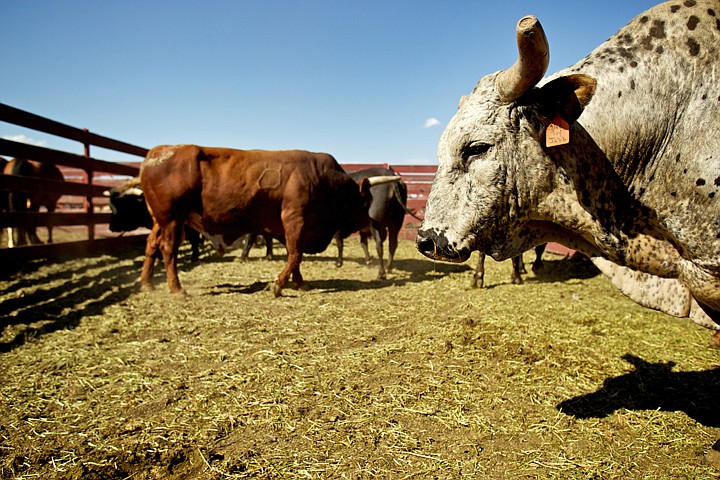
298,197
616,156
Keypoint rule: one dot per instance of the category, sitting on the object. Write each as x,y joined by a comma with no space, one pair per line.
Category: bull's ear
566,96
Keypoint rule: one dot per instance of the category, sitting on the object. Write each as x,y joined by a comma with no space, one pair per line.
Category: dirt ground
416,376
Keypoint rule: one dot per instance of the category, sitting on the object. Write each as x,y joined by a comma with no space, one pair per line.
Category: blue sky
367,81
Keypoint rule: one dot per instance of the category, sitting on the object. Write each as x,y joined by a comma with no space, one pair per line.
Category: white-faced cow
617,156
298,197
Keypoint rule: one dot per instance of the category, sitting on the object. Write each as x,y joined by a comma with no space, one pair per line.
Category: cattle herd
615,156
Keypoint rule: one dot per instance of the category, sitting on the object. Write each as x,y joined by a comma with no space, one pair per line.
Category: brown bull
298,197
30,202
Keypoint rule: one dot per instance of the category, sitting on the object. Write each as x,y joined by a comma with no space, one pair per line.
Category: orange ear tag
557,133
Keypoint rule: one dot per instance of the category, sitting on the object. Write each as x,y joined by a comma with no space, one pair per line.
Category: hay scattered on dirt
417,376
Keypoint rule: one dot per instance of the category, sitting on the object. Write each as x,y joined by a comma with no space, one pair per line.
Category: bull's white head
493,163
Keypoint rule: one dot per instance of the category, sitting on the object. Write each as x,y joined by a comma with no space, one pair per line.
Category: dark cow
478,279
31,202
251,240
616,156
299,198
129,212
387,213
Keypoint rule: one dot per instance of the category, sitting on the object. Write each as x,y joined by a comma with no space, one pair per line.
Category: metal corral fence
86,179
83,205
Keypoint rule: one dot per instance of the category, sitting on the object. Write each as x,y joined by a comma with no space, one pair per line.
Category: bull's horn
532,62
106,193
379,180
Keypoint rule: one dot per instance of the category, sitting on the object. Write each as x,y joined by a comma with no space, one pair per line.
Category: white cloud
25,139
431,122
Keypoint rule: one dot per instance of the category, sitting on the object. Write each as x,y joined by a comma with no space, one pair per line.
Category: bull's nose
425,243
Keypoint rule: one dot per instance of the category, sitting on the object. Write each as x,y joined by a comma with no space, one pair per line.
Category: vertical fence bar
89,172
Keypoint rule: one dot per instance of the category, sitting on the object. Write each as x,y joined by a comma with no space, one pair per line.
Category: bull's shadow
563,269
653,386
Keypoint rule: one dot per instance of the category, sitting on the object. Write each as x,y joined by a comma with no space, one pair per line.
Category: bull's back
229,187
653,112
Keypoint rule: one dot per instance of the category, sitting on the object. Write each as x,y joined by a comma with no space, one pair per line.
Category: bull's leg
364,244
194,237
152,251
50,209
392,247
268,247
291,267
249,240
538,263
298,278
478,279
170,240
517,264
377,235
32,236
340,243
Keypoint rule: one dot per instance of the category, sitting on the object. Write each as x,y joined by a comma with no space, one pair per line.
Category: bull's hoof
517,281
382,276
715,340
475,283
277,290
146,287
712,458
339,263
268,257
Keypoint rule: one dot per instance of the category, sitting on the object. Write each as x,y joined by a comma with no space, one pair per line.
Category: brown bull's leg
298,278
151,253
291,267
170,241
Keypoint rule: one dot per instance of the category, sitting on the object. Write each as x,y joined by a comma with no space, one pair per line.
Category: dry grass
417,376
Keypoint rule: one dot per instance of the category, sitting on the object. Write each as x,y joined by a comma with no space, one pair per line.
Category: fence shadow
44,297
653,386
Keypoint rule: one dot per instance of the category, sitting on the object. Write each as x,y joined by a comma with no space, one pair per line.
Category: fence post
89,173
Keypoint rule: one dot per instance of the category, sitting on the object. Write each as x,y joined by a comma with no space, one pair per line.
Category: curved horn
532,62
380,179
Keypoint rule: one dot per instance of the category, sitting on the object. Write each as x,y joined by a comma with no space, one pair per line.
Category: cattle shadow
562,270
653,386
419,270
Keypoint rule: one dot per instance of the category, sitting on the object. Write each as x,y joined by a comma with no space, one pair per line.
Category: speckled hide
637,186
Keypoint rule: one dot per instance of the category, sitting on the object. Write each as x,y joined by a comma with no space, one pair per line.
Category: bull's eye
473,150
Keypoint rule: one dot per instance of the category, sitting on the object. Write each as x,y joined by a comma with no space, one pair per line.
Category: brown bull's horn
379,180
532,62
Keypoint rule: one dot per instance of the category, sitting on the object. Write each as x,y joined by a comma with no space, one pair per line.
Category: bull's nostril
424,244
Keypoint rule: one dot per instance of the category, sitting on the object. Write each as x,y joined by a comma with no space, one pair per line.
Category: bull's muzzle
436,246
